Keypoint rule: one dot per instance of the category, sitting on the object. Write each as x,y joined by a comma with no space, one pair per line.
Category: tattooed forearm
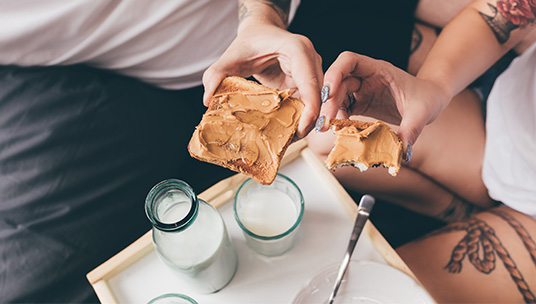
243,11
500,26
509,15
416,40
280,7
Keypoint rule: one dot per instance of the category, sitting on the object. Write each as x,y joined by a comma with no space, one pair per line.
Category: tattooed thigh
458,209
488,257
423,37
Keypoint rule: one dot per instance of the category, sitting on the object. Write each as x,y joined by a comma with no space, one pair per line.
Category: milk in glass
269,215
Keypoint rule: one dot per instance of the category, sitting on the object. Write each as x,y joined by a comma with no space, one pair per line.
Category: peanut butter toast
363,145
247,128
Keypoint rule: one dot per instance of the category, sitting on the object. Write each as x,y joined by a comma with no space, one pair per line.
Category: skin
512,277
458,133
277,58
384,92
439,13
487,254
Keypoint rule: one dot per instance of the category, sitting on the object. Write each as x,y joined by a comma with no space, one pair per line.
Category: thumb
211,80
409,130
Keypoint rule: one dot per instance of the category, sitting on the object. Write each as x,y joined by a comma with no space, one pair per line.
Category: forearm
469,45
274,12
439,13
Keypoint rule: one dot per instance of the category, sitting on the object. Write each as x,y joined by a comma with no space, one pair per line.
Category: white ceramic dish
364,282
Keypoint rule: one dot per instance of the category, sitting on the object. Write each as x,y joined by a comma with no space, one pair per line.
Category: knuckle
301,42
346,54
318,59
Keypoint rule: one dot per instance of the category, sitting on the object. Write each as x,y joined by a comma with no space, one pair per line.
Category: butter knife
363,212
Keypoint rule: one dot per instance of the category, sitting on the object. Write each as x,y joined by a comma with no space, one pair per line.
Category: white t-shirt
509,169
168,43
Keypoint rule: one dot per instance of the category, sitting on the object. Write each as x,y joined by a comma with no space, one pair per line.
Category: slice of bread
363,145
247,128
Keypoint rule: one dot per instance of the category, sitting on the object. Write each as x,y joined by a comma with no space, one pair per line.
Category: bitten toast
247,128
363,145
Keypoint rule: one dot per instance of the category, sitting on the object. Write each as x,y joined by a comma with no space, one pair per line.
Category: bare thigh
488,258
451,149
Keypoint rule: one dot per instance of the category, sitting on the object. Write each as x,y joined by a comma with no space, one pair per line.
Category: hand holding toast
382,91
277,59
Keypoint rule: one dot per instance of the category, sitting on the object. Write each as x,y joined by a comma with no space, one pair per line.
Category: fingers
423,105
337,83
211,80
342,98
408,133
412,124
308,77
230,63
358,78
299,66
350,64
340,85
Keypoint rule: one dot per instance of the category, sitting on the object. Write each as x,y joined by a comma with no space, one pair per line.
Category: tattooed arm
264,49
275,12
474,40
466,48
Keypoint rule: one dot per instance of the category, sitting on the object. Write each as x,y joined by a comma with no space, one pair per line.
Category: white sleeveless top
168,43
509,169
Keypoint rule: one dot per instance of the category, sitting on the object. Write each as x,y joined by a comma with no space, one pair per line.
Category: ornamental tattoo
480,236
243,11
416,40
509,15
281,7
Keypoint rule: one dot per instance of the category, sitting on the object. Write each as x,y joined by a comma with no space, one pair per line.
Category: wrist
255,13
441,86
252,23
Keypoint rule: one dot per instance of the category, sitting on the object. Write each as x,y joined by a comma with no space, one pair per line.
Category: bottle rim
151,204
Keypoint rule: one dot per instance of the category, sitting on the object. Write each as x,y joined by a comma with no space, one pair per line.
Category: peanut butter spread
250,129
375,144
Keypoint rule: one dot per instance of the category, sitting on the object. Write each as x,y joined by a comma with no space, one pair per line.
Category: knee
321,143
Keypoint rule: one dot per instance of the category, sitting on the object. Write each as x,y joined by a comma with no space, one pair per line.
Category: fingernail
409,152
324,93
320,123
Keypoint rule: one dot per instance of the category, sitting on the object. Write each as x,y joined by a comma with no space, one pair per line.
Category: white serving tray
136,275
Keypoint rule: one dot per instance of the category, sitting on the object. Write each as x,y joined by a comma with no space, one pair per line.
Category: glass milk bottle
190,236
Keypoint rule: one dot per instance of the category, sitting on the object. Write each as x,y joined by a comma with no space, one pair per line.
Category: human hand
360,85
276,58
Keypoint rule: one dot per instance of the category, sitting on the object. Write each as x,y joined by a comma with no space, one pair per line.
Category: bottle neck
171,205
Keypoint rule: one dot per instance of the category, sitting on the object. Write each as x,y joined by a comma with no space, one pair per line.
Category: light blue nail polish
320,123
324,93
409,153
